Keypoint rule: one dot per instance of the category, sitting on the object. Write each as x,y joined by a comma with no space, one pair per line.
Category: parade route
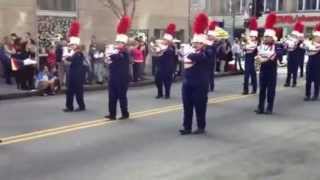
43,143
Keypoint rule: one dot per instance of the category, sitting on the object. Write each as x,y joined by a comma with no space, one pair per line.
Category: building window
305,5
57,5
300,4
310,4
237,6
280,5
273,5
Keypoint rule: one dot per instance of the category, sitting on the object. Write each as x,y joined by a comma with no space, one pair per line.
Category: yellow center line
99,122
102,122
93,122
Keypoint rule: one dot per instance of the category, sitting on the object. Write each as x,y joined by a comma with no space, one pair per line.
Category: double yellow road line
101,122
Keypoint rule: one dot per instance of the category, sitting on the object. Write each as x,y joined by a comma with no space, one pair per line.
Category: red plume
74,30
271,20
171,29
279,33
299,27
124,25
200,24
212,25
253,24
317,27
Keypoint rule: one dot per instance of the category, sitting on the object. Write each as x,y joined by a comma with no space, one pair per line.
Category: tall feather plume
171,29
200,24
279,33
212,25
271,20
124,25
299,27
253,24
74,30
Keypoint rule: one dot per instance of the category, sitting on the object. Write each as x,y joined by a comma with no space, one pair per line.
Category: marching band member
313,66
211,50
250,49
76,71
268,70
196,79
165,51
292,44
118,60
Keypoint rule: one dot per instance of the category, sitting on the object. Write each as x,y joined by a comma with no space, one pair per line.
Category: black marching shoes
109,117
124,117
66,110
185,132
199,131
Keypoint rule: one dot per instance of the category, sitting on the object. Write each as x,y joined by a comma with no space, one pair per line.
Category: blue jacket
3,57
301,52
250,60
166,62
119,68
76,71
198,74
59,53
211,52
313,67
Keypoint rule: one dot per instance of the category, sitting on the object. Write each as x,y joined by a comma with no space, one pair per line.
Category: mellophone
158,47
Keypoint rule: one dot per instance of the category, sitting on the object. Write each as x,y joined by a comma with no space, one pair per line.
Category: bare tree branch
124,7
133,11
124,10
113,7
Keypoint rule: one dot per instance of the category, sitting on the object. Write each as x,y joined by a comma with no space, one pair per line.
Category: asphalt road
239,144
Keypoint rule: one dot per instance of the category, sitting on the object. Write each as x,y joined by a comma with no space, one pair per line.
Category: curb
89,88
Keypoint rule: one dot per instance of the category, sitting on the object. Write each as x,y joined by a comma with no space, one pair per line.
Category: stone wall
17,16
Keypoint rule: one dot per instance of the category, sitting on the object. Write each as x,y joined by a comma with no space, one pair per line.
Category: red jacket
52,58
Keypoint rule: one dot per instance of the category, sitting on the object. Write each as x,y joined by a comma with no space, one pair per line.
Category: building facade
234,13
48,19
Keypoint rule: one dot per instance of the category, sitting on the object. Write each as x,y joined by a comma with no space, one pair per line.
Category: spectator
9,47
19,57
153,58
52,62
59,61
13,37
29,66
236,49
31,47
5,61
87,65
46,82
224,53
138,59
145,51
99,66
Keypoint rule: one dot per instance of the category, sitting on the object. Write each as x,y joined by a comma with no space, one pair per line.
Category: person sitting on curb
47,83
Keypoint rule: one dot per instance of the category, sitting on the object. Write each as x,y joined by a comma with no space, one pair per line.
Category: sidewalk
11,92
